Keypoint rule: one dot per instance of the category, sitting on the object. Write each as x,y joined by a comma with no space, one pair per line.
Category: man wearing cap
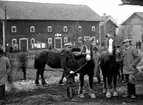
131,58
4,71
68,62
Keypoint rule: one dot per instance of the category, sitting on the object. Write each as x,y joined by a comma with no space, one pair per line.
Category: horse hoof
104,91
115,93
44,84
81,96
108,95
92,95
60,82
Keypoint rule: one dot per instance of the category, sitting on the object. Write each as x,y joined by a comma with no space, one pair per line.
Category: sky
110,7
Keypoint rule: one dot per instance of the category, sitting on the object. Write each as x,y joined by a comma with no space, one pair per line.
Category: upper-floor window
13,29
79,28
49,28
32,29
93,28
79,39
65,39
65,29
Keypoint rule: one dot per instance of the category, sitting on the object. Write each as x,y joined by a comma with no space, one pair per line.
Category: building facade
40,25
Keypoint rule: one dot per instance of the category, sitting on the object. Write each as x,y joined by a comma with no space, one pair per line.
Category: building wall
41,34
108,28
133,29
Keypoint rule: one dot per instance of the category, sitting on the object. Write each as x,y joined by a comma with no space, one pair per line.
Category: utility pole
4,26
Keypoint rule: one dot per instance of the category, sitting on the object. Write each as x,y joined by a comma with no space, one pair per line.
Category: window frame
65,29
49,28
80,28
13,29
32,28
93,28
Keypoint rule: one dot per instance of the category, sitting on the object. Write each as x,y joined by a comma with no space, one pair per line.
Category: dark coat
68,62
131,58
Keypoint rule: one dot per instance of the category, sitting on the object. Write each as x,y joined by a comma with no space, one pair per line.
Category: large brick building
32,25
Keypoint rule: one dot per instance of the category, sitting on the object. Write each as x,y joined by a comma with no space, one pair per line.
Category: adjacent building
107,26
132,27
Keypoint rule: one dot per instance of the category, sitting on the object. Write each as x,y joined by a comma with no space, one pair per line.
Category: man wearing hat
68,62
131,58
4,71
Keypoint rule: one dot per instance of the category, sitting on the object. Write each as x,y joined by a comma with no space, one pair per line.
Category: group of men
130,58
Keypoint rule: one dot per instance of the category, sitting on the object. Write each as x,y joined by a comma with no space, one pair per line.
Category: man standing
131,58
96,57
68,62
5,69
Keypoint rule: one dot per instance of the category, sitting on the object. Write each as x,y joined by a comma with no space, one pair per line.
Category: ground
27,93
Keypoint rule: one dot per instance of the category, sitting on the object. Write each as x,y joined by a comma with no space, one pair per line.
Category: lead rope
78,69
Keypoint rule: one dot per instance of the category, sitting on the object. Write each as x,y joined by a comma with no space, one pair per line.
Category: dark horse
109,67
49,57
86,56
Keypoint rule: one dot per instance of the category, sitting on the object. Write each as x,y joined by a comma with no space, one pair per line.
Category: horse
43,58
110,67
86,57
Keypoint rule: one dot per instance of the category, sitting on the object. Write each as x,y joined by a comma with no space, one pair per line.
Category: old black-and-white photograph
71,52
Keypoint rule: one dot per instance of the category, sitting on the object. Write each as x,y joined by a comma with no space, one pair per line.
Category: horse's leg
24,72
81,78
42,76
109,83
61,80
37,77
91,92
115,86
104,85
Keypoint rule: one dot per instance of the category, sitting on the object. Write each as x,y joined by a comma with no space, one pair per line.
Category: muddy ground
27,93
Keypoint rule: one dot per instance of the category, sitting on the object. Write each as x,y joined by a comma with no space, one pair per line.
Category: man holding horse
68,62
131,58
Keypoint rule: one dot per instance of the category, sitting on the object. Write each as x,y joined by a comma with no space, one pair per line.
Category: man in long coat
68,62
131,58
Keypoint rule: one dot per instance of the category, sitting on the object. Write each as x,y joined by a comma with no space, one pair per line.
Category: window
32,41
49,28
14,41
79,28
93,28
32,29
65,29
14,44
93,38
79,39
13,29
65,39
49,40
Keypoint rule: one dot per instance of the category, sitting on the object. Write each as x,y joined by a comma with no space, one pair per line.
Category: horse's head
87,48
111,48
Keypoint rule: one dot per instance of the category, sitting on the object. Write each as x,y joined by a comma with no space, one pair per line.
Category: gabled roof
105,19
47,11
140,14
